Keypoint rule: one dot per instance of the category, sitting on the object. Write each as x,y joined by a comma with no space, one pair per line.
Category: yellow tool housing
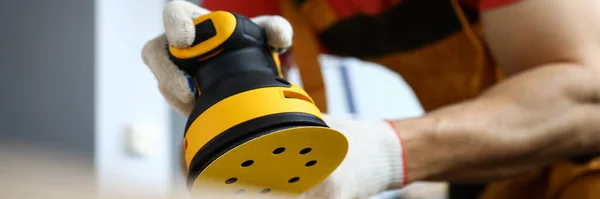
251,132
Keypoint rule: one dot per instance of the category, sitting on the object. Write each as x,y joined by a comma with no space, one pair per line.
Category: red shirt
342,7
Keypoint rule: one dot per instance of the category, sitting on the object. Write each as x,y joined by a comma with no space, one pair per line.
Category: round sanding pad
287,162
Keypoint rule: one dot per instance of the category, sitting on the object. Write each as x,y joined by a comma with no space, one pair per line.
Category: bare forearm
529,120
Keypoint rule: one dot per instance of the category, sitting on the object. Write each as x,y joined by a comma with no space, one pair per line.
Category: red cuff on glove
405,179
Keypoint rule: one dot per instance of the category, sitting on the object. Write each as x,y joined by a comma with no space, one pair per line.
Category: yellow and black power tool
251,132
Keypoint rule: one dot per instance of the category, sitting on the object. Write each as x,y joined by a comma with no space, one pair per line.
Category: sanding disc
287,162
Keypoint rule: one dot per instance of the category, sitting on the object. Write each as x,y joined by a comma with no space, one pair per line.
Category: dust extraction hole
279,150
230,180
247,163
311,163
294,179
239,191
305,151
265,191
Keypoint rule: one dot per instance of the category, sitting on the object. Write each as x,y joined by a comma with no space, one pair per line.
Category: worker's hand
176,86
373,164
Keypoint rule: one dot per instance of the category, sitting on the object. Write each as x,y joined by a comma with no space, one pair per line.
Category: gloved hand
176,86
374,161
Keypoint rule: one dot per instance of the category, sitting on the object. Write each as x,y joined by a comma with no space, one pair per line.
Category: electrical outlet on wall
141,139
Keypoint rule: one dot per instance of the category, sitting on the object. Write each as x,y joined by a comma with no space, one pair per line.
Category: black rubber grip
243,62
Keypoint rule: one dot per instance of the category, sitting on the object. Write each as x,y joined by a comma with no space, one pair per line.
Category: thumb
178,17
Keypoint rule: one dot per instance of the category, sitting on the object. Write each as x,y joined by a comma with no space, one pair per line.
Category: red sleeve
491,4
248,8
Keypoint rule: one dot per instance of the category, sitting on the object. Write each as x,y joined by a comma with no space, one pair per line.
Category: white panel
126,94
380,93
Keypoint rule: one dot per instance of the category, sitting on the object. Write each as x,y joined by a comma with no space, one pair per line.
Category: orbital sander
251,132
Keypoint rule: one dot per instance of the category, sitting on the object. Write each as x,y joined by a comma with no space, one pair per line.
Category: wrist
415,136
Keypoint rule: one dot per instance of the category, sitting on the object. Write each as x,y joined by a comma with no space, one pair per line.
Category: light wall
126,96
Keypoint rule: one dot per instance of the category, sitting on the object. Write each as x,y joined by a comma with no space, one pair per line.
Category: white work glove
178,15
374,161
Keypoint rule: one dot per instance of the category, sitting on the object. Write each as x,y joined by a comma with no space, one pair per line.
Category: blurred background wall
72,78
131,118
47,73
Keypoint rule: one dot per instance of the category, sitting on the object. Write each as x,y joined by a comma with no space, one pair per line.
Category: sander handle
226,45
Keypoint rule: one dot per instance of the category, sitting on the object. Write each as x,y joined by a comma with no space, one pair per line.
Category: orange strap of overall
306,53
